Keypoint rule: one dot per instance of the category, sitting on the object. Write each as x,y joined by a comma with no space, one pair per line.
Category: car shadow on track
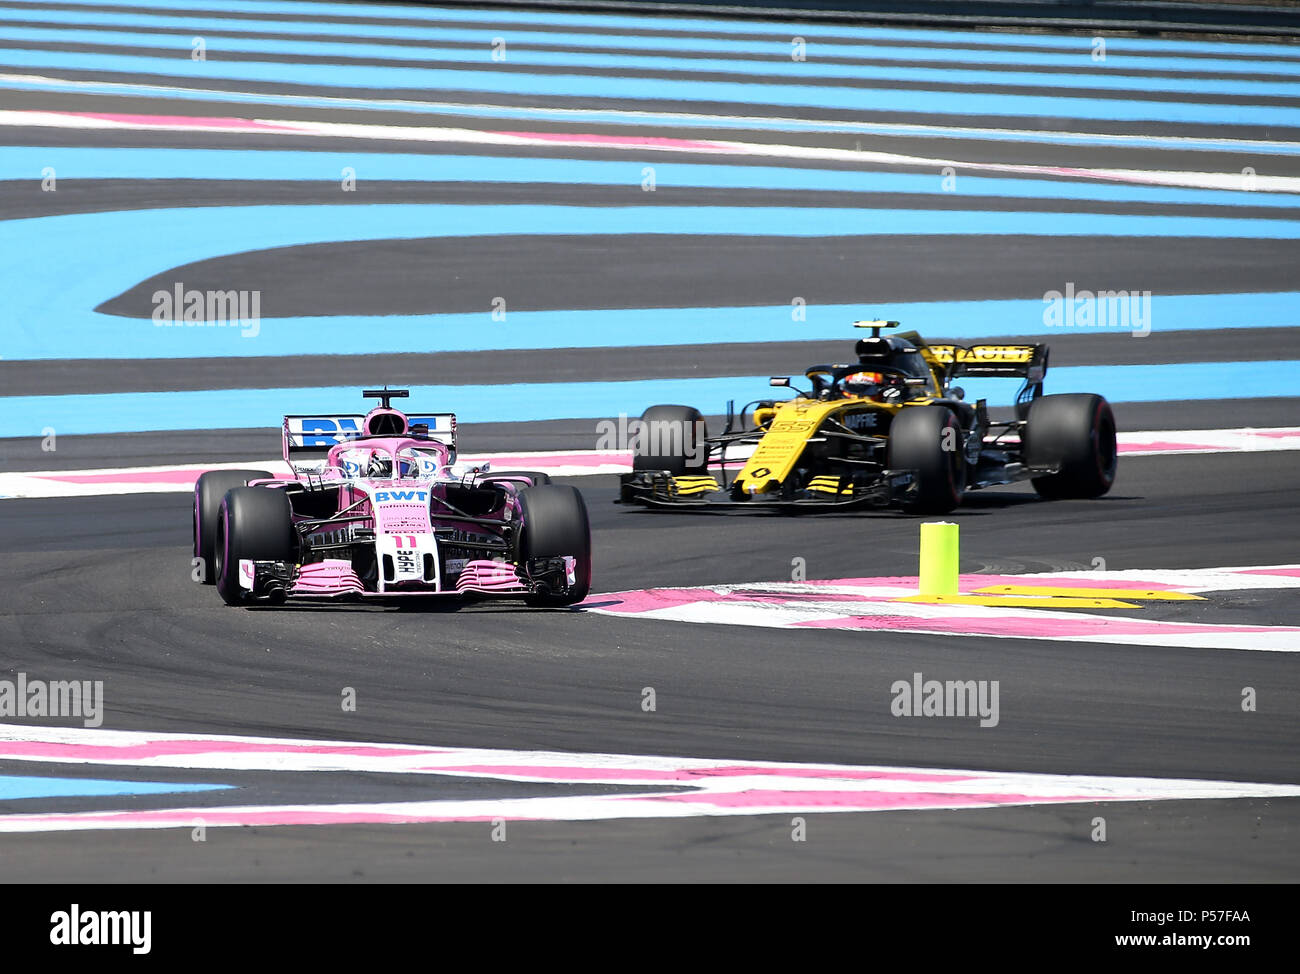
975,503
434,605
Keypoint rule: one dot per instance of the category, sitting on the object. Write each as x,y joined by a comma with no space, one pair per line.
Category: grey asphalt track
455,275
102,585
1068,348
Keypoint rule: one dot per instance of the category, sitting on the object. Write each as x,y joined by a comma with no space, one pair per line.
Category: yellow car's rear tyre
1076,432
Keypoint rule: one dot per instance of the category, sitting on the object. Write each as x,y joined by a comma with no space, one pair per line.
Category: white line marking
1191,180
1179,143
667,787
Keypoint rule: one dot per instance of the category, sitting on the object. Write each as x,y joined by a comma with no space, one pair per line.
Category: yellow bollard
938,559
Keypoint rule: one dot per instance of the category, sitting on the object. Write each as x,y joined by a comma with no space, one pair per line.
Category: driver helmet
380,466
414,463
862,383
876,386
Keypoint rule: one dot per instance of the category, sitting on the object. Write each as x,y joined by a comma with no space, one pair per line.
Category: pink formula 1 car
378,507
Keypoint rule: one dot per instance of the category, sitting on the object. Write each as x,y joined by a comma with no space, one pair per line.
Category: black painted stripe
22,199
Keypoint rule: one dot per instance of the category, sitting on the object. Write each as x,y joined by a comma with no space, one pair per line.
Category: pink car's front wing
397,507
335,577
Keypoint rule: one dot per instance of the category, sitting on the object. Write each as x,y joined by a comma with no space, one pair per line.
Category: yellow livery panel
782,445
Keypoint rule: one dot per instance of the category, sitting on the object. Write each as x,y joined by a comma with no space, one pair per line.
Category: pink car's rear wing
310,437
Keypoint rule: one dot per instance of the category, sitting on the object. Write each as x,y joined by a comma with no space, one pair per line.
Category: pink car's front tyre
253,523
555,525
209,492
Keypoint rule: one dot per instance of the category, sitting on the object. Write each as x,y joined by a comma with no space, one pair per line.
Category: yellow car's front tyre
927,441
671,438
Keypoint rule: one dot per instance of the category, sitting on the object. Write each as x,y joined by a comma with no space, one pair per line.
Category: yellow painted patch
1095,593
1020,601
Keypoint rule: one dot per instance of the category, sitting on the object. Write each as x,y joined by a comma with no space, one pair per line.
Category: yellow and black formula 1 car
890,429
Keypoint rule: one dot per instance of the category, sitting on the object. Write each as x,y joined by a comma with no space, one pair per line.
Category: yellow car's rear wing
951,361
1028,362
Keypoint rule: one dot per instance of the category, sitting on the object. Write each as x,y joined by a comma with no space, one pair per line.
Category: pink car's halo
391,458
377,506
